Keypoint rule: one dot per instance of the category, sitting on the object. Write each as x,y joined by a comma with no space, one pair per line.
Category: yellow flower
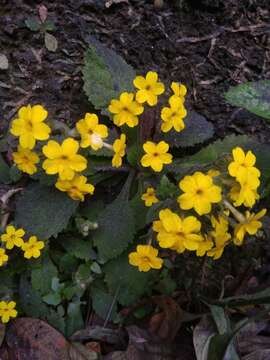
146,258
76,188
243,165
156,155
63,159
172,117
26,160
204,246
91,132
251,225
13,237
7,311
220,235
149,197
149,87
32,248
213,172
199,193
119,147
179,90
126,110
177,233
3,257
29,126
245,192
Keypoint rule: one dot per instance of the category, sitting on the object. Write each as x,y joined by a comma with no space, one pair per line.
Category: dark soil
208,45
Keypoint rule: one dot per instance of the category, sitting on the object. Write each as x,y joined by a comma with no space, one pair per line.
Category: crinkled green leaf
126,281
197,130
80,248
116,228
44,211
103,304
252,96
4,171
139,210
52,299
166,189
105,75
42,275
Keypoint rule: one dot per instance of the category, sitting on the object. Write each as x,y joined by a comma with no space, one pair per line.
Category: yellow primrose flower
149,87
76,188
251,225
149,197
3,257
156,155
204,246
172,117
63,159
13,237
29,126
126,110
91,132
177,233
26,160
32,248
220,235
245,192
7,311
146,258
217,251
119,147
179,90
199,193
243,165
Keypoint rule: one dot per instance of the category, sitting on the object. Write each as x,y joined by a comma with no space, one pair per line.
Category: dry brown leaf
43,13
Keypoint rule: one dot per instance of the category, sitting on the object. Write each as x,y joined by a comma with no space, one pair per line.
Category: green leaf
197,130
44,211
252,96
4,171
105,75
42,275
30,300
116,228
52,299
166,189
74,318
33,24
81,249
139,211
103,304
125,281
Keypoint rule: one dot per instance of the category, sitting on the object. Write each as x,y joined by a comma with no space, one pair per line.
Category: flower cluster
206,221
14,238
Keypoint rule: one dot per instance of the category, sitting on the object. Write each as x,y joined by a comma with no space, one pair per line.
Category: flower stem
239,217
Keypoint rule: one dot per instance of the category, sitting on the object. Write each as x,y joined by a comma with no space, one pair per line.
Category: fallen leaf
28,338
78,351
3,62
109,3
51,42
43,13
94,346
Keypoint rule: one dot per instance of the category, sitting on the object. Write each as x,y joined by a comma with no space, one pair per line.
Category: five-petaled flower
125,110
92,133
149,197
149,88
199,193
156,155
32,247
7,311
177,233
179,90
243,165
119,149
250,225
26,160
29,126
63,159
76,188
146,258
12,237
3,256
172,117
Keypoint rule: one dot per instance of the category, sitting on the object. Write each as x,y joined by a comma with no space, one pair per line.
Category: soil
208,45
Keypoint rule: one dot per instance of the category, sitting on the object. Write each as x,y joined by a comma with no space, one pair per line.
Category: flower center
199,192
148,87
64,157
145,258
155,154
